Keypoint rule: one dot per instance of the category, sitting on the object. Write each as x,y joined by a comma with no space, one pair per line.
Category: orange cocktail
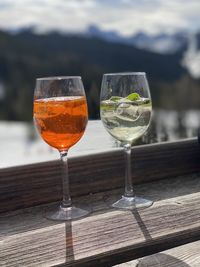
61,121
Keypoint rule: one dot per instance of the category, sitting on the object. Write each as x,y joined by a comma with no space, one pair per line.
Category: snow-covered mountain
111,36
187,43
161,43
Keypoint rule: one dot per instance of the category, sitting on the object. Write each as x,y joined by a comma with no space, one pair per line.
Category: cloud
124,16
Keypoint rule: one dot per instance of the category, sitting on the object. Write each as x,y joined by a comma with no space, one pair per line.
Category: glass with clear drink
125,110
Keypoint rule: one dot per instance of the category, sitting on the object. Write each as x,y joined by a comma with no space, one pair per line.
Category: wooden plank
35,184
183,256
128,264
107,236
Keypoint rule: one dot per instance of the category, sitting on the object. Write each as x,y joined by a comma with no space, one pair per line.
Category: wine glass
60,115
125,110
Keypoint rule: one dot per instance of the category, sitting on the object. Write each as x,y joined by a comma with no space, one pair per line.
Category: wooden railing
168,173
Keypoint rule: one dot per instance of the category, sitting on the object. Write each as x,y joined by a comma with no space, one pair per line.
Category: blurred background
88,38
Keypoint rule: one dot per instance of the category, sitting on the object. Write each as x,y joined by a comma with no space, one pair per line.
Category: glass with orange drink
61,115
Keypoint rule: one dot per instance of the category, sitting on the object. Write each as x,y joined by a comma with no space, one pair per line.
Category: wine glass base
66,214
131,203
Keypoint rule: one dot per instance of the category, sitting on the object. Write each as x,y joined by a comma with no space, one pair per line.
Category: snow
18,149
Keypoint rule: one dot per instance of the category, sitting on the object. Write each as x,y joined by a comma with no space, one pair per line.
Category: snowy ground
17,149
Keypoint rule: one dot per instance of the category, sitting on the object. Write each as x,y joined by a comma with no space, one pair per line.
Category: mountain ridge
162,43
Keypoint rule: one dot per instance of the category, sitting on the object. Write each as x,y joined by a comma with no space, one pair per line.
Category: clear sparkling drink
124,119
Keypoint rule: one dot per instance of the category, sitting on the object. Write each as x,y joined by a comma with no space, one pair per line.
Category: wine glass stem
66,202
128,178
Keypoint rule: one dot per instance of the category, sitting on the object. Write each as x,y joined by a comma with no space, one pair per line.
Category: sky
127,17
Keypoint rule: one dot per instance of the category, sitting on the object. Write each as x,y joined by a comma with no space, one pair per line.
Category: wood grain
106,237
183,256
30,185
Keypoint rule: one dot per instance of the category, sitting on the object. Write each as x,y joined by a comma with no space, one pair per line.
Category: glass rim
125,73
58,78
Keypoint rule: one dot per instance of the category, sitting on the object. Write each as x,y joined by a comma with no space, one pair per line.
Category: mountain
161,43
111,36
24,56
73,52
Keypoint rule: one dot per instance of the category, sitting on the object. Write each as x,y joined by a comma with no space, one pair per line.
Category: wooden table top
107,236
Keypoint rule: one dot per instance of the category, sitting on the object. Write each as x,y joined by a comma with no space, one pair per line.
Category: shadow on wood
69,242
142,225
160,260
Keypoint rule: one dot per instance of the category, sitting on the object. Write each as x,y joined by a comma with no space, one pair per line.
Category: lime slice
133,97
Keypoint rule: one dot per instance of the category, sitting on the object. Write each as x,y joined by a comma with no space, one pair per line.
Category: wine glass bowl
125,110
60,115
